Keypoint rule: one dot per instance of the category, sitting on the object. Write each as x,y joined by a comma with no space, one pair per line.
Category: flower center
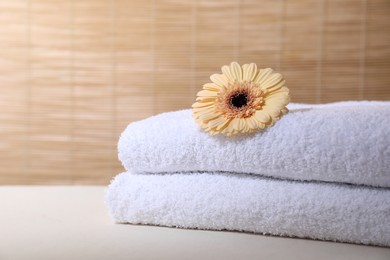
239,100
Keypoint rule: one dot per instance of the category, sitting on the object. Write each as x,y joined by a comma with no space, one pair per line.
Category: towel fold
228,201
346,142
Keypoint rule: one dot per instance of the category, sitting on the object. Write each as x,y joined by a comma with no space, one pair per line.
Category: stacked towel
321,172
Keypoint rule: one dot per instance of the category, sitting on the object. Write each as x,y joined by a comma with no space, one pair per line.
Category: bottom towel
221,201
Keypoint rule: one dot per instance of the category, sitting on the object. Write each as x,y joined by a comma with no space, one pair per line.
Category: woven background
74,73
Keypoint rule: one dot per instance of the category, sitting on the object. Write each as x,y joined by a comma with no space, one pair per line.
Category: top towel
347,142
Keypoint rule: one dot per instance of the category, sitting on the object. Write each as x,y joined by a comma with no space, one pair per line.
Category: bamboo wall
74,73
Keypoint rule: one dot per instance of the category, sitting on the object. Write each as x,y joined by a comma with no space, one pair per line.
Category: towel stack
321,172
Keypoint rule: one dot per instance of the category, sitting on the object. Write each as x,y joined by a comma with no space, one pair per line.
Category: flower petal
202,104
246,126
272,110
226,70
236,123
251,122
212,87
281,98
223,125
206,117
262,75
284,90
206,99
207,93
239,124
276,86
236,71
212,132
198,111
273,82
219,79
229,128
284,110
249,71
278,99
216,122
262,116
261,125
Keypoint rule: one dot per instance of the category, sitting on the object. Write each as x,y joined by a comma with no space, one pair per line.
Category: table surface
71,222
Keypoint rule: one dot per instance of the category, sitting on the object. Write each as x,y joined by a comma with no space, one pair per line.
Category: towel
321,172
345,142
229,201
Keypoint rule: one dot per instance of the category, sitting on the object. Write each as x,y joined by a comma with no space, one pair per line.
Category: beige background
74,73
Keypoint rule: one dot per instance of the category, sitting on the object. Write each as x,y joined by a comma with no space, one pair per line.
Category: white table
71,222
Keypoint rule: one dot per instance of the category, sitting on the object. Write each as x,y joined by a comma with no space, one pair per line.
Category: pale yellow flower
241,100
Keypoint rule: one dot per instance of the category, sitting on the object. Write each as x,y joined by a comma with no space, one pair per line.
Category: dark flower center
239,100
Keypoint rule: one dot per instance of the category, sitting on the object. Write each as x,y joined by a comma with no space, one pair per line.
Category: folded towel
341,142
219,201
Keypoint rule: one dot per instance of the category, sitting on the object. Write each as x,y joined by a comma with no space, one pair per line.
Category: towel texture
221,201
346,142
289,180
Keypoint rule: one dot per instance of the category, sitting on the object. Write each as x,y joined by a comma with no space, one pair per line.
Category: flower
241,100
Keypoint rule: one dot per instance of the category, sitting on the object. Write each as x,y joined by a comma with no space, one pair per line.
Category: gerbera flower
241,100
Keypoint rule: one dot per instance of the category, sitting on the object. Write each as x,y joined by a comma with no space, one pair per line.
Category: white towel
341,142
217,201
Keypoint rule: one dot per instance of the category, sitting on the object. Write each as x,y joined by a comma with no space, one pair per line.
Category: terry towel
345,142
228,201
